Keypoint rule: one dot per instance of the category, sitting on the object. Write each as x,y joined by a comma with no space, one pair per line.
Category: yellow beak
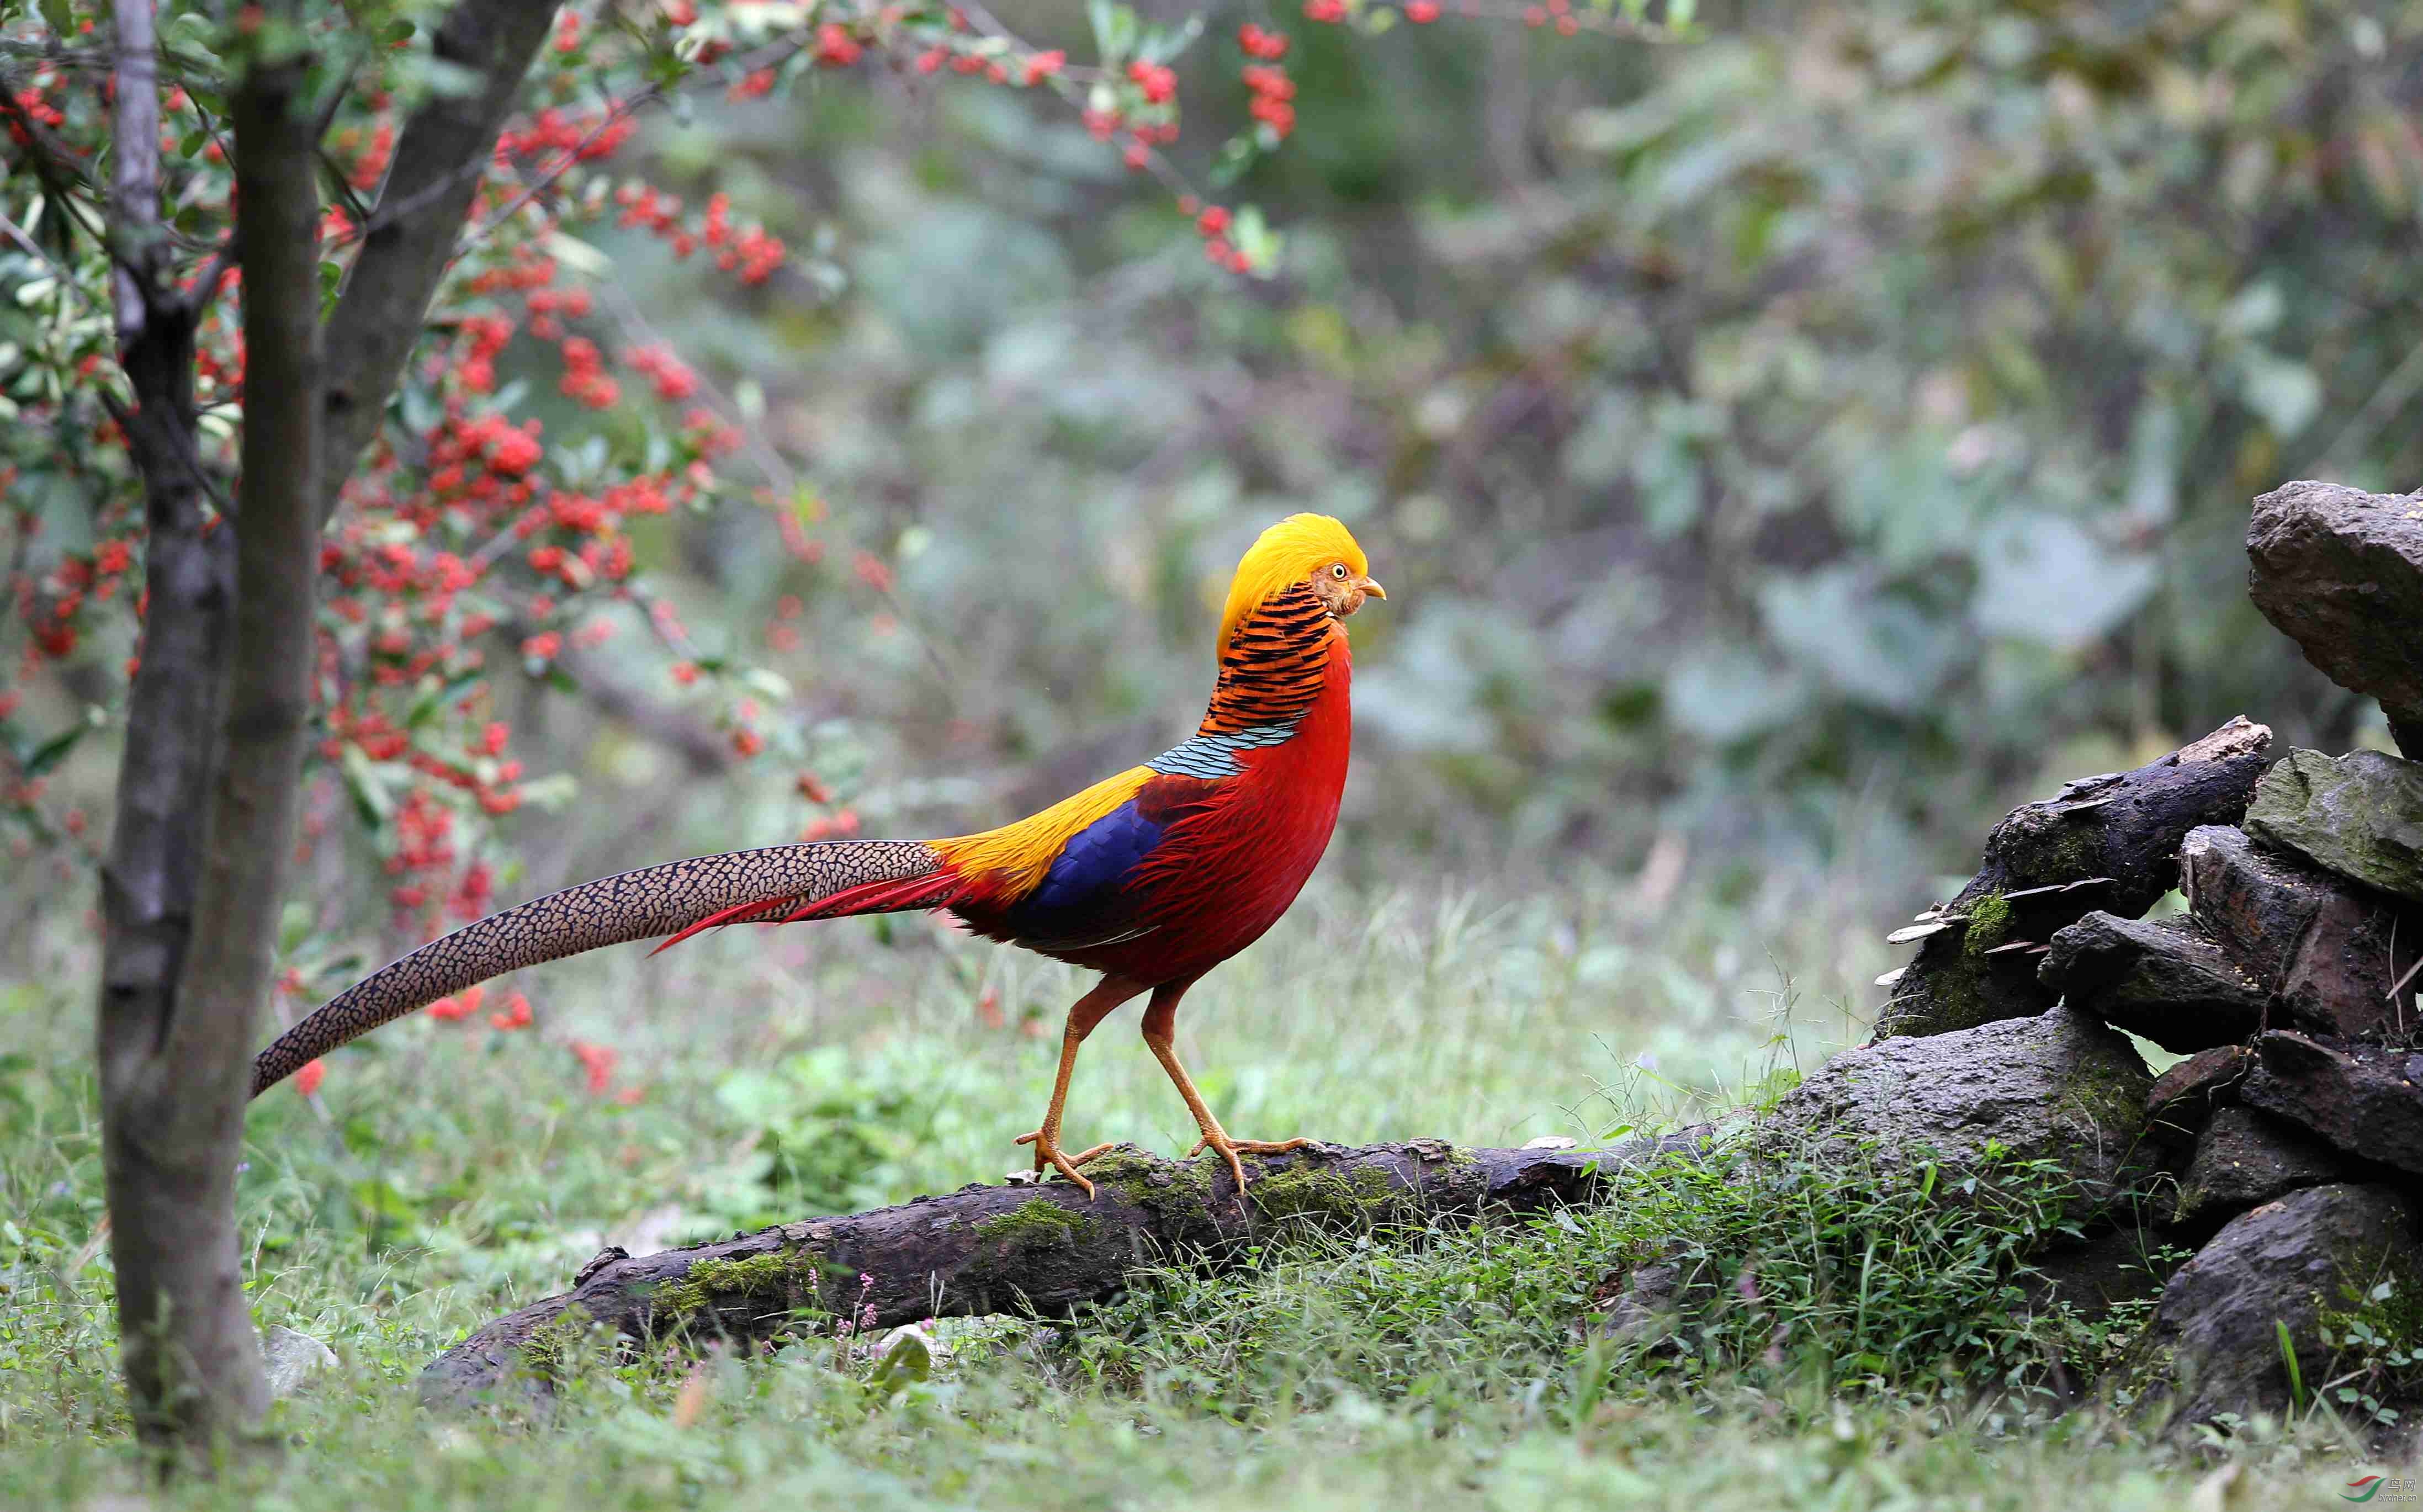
1372,587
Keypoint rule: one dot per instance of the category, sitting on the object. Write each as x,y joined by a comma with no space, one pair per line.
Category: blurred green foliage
1784,450
1805,441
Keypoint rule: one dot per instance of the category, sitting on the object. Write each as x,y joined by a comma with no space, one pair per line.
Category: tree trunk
180,1074
215,726
164,782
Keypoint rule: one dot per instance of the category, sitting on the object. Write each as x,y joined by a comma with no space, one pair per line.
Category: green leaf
1115,31
2289,1358
769,684
61,21
1161,46
552,793
366,786
1255,238
2041,577
54,750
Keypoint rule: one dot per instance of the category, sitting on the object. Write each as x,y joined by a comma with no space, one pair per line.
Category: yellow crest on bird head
1285,554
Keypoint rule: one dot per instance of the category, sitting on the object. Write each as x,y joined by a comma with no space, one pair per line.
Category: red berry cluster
753,253
52,606
1156,81
1269,46
836,48
1273,90
1214,225
552,140
34,102
671,376
1560,11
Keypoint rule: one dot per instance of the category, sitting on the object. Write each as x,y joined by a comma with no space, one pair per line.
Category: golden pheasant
1151,878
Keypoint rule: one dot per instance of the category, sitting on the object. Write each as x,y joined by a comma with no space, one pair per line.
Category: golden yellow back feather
1014,857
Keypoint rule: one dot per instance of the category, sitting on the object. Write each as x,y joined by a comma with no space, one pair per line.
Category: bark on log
2109,842
1035,1250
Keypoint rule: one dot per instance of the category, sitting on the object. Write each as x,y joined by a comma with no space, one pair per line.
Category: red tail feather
930,891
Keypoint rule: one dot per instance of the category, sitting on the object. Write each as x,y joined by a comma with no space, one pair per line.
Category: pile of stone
2292,1132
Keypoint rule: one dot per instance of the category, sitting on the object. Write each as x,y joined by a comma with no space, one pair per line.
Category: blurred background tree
1793,445
1801,444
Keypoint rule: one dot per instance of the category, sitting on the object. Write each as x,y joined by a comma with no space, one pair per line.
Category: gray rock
2364,1100
2340,572
2360,815
2245,1160
2213,1346
2161,980
2186,1095
2325,948
2060,1086
292,1359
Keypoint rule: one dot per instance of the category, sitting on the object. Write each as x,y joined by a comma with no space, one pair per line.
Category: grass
1859,1347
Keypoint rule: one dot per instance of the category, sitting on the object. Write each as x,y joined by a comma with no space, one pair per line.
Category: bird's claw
1048,1156
1229,1149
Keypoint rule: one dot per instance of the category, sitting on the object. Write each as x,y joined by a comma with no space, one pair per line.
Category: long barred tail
672,899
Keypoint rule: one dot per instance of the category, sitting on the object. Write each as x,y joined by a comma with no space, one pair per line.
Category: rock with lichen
2060,1087
2359,815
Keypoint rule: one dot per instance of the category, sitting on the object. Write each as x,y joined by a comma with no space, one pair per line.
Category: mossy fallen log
2108,843
1035,1250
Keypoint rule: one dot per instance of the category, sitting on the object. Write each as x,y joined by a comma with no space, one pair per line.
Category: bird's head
1311,549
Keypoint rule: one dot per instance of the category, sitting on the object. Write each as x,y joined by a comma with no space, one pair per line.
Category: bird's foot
1048,1156
1229,1149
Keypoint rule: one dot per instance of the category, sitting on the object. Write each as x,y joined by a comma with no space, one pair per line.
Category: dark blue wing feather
1079,898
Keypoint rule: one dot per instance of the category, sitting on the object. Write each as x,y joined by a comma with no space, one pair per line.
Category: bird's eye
1338,570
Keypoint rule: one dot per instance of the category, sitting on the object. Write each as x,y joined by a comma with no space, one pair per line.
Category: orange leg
1160,1017
1083,1014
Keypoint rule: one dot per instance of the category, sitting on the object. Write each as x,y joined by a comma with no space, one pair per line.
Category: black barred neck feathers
1271,672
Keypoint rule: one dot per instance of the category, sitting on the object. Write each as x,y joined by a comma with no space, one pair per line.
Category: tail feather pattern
776,884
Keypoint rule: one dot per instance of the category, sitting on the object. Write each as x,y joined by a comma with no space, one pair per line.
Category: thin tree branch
440,157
